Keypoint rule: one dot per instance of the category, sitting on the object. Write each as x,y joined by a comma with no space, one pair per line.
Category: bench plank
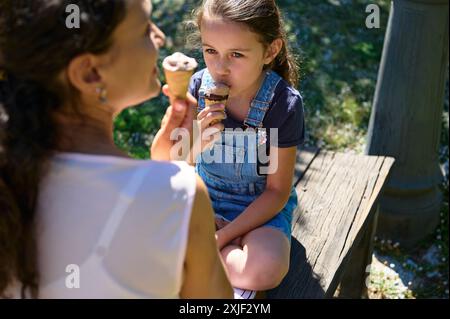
305,156
336,194
354,268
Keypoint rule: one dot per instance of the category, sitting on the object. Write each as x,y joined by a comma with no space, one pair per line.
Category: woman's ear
83,75
273,50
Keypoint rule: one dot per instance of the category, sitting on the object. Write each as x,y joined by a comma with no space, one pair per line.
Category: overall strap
261,102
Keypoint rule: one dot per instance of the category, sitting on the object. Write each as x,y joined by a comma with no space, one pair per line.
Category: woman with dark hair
78,217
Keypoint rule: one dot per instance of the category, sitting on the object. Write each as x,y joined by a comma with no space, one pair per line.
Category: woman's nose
159,37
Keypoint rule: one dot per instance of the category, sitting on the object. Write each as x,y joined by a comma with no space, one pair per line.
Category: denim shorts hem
267,224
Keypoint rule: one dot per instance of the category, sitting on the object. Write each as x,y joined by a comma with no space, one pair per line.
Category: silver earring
102,95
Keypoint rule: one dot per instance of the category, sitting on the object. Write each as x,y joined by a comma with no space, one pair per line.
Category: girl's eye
236,55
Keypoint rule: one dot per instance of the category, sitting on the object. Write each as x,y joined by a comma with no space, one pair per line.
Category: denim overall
233,181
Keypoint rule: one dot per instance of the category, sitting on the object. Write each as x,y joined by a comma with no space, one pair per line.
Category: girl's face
233,54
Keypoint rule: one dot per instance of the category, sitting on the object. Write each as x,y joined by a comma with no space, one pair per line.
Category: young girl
244,47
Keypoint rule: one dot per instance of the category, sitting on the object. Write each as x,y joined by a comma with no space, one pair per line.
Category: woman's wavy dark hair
262,17
35,46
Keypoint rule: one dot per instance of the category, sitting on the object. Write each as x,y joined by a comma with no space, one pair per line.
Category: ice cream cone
178,69
216,94
178,82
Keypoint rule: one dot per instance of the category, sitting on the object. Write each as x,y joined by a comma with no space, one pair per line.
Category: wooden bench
334,224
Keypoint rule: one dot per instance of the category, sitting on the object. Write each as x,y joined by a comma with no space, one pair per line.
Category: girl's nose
222,67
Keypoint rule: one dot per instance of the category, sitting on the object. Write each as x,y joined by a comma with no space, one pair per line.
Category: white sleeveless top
110,227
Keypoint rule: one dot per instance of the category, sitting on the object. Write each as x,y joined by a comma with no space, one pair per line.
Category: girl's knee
267,275
275,276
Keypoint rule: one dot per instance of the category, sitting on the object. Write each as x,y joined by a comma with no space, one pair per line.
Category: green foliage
338,57
339,60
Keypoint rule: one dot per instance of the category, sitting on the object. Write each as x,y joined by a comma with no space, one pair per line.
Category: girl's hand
210,131
222,240
221,223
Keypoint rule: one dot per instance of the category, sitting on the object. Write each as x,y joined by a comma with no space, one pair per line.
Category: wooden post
407,116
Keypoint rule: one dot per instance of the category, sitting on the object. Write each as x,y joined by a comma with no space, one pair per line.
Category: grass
339,59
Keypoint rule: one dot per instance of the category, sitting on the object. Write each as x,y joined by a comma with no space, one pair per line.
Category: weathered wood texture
337,193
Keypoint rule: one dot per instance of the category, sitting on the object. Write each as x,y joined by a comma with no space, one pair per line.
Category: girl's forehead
225,31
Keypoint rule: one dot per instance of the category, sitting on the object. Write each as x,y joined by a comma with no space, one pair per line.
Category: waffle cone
178,82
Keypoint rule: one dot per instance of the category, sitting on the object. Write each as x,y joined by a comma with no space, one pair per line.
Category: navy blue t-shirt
285,113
